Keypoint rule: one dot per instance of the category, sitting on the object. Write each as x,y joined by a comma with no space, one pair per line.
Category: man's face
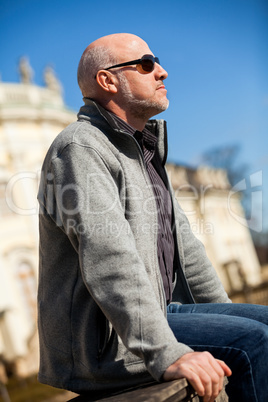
144,95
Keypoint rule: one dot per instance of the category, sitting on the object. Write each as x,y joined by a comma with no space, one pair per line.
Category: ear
107,81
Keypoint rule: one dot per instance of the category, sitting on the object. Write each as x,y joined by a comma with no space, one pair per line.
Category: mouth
162,86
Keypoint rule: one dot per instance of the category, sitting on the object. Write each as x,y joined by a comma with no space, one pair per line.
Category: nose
160,72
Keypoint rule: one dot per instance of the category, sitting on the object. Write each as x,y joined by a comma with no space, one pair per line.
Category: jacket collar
156,126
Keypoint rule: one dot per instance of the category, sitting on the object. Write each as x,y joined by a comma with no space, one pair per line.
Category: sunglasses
144,65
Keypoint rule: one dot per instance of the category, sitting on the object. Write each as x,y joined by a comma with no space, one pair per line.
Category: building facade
217,218
30,118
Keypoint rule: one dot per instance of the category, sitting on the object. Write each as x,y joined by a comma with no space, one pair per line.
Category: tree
225,157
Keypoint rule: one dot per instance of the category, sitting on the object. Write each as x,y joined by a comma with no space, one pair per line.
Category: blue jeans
234,333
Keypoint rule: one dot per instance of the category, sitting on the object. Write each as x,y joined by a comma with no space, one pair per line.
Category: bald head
102,53
119,44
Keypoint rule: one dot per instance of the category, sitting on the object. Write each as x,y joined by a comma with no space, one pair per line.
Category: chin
162,106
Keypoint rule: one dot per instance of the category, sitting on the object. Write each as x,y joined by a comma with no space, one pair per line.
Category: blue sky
215,51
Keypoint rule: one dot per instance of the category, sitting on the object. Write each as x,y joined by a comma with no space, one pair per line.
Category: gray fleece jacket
102,311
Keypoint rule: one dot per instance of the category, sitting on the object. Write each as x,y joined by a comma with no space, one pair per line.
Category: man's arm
201,276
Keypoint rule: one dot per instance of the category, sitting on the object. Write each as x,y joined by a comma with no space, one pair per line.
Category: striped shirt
165,240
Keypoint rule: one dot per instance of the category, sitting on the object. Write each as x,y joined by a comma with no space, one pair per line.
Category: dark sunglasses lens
147,64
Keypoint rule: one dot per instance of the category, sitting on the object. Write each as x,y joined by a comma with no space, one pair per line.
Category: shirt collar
148,139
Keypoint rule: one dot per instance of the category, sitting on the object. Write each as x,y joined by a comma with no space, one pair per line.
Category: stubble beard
141,108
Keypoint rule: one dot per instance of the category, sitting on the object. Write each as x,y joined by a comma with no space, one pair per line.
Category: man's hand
202,370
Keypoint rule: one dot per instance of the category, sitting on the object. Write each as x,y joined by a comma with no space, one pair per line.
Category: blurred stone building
30,117
218,220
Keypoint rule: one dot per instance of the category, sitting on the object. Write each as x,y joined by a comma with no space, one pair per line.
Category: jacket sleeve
88,206
201,276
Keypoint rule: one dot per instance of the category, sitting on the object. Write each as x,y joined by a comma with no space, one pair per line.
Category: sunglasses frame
138,61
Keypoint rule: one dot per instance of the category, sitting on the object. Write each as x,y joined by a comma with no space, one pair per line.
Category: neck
133,121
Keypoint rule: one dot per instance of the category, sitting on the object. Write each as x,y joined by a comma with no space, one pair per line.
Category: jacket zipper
182,276
159,277
186,285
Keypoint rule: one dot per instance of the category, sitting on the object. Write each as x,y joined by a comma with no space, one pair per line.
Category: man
114,243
